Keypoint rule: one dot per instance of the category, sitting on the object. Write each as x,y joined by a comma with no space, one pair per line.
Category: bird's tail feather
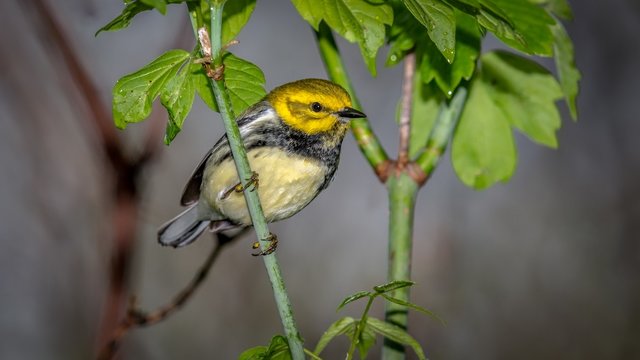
183,229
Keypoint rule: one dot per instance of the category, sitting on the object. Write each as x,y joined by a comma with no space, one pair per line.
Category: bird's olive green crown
313,106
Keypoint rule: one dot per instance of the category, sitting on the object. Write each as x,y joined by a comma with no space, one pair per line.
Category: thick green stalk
251,197
367,140
403,191
446,121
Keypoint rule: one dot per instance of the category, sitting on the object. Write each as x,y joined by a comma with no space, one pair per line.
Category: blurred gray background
544,267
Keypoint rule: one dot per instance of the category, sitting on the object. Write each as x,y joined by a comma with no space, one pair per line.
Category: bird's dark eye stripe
316,107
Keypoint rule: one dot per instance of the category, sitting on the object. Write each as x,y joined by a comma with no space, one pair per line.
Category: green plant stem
403,191
367,140
251,197
446,121
361,325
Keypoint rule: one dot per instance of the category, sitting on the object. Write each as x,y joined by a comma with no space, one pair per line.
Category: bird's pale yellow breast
287,183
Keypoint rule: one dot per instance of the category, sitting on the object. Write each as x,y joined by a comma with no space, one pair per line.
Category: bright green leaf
397,334
160,5
278,350
448,76
133,94
559,8
526,93
337,328
352,298
529,30
365,342
235,15
565,64
483,150
255,353
310,10
124,19
391,286
244,81
414,307
439,19
359,21
177,98
403,34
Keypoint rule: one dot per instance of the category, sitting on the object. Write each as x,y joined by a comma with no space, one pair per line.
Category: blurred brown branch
136,317
125,170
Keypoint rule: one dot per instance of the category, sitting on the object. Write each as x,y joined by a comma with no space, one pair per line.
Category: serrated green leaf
359,21
352,298
424,110
391,286
397,334
566,66
365,342
278,349
414,307
134,93
529,30
160,5
448,76
235,15
177,97
124,19
526,93
483,150
310,10
244,81
439,20
337,328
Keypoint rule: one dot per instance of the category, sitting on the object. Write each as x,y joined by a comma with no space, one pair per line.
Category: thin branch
138,318
405,113
367,140
247,177
445,123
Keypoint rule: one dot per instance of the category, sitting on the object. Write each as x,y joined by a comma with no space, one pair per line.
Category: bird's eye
316,107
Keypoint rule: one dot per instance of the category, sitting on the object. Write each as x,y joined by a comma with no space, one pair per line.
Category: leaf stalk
367,140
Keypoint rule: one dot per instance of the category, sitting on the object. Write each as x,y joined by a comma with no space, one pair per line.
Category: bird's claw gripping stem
273,244
252,181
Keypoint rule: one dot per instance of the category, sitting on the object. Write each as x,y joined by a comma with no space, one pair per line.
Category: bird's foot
273,244
252,183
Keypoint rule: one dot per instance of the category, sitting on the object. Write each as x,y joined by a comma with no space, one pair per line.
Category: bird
293,138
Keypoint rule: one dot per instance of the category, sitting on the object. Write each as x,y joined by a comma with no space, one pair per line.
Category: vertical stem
367,140
251,197
402,196
405,114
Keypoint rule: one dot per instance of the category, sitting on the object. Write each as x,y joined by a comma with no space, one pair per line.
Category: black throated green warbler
293,139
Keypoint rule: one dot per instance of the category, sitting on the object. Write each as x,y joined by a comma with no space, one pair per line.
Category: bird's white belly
287,183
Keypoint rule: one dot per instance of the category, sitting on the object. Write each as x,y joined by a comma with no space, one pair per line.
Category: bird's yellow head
313,106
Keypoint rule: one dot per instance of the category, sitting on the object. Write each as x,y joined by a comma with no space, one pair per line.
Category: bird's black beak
348,112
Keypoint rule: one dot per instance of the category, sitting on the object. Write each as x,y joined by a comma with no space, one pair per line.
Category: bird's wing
248,122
